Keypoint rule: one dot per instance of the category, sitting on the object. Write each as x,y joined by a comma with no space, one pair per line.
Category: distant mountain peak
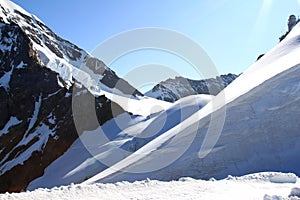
173,89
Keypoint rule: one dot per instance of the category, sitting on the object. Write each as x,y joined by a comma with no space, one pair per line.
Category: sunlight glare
261,22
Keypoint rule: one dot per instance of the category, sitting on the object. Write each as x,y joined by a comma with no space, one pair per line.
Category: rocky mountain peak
173,89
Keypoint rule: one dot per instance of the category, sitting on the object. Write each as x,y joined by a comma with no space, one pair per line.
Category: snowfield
261,186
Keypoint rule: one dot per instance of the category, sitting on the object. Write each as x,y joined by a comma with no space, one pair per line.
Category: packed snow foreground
263,186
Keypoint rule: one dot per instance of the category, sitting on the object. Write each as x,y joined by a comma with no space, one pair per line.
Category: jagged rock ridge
173,89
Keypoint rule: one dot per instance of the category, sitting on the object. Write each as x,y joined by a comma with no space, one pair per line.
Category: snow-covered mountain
41,74
173,89
251,126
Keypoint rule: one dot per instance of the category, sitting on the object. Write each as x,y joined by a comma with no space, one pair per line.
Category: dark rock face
36,121
27,98
173,89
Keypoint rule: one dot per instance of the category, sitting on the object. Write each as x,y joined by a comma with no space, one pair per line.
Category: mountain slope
173,89
260,131
41,75
114,141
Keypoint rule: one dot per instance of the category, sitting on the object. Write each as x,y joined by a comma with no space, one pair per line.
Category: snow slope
262,186
260,131
114,141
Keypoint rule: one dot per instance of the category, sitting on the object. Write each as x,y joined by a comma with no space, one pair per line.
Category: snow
259,133
71,70
180,88
295,192
42,133
33,17
52,94
144,106
251,126
288,178
259,187
113,142
74,168
5,79
51,118
12,6
11,122
34,115
22,65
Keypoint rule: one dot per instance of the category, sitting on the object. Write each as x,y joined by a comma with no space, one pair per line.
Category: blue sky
232,32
